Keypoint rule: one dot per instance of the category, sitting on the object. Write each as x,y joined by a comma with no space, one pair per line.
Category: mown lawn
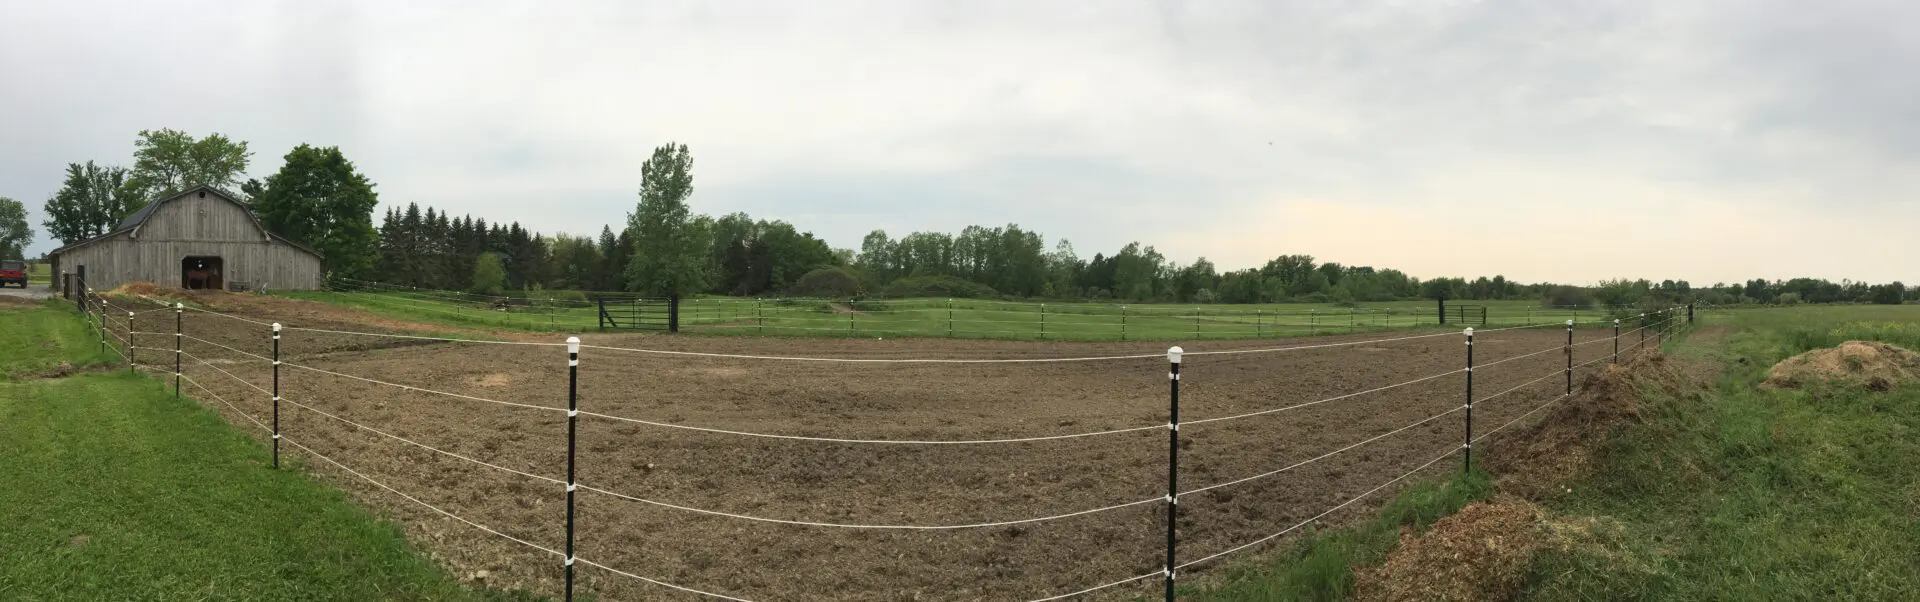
114,490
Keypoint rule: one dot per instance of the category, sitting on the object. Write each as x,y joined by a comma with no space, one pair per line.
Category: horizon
1715,142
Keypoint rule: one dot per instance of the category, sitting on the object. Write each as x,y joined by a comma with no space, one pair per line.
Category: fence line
1665,323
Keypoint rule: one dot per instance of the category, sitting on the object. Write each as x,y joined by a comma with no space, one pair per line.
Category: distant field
969,318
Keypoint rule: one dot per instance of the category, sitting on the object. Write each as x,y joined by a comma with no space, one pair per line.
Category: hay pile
1537,462
1479,553
1870,364
139,289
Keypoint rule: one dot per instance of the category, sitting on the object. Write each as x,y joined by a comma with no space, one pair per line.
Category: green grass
1758,493
114,490
1320,567
961,318
36,339
39,274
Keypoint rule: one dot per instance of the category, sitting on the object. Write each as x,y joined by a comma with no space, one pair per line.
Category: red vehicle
13,272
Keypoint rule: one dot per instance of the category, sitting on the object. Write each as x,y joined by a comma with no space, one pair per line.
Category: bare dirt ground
857,483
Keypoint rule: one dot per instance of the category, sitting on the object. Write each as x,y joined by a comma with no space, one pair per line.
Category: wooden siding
194,226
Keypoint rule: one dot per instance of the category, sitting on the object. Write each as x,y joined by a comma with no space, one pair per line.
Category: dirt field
859,483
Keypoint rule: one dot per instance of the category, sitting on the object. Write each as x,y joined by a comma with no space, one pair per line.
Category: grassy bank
1753,492
117,491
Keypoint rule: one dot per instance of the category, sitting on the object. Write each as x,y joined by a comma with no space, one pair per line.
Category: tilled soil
864,483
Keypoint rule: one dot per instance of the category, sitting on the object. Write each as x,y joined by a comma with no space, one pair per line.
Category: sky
1566,142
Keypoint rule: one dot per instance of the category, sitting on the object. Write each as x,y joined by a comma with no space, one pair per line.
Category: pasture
961,318
785,468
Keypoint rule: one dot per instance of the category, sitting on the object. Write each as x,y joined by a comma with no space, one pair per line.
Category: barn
202,238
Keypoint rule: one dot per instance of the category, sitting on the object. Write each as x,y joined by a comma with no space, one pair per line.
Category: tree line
318,198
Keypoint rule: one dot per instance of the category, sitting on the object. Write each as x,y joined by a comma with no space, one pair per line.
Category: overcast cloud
1561,141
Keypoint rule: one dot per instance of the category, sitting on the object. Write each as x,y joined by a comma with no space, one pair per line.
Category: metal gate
639,313
1475,315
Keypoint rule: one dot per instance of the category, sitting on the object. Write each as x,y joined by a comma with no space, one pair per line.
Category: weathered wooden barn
202,238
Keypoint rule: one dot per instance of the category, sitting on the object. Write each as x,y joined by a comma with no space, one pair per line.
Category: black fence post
1259,324
573,416
80,282
103,326
1443,311
179,312
601,302
1123,322
1569,357
1043,321
1689,314
949,317
130,337
1616,340
673,313
1173,461
1468,444
1483,315
276,394
1643,334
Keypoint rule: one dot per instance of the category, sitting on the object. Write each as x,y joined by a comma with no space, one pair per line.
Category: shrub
489,274
826,282
1203,296
1567,296
938,286
1788,299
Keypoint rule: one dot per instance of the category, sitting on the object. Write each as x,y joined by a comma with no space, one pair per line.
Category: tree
667,257
14,233
489,274
168,161
1884,294
91,201
318,199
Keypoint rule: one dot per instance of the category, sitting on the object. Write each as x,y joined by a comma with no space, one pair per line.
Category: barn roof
139,218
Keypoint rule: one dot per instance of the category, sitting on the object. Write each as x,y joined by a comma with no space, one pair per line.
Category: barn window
203,194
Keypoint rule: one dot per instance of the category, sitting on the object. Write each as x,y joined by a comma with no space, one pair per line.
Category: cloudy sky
1562,141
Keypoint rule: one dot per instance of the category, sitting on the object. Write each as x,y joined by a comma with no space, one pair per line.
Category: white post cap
1173,353
1469,331
573,344
276,327
179,306
1569,322
1616,321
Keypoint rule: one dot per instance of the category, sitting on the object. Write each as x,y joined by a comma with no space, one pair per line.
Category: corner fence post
1173,461
276,394
573,417
179,311
1616,340
1569,357
1468,444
